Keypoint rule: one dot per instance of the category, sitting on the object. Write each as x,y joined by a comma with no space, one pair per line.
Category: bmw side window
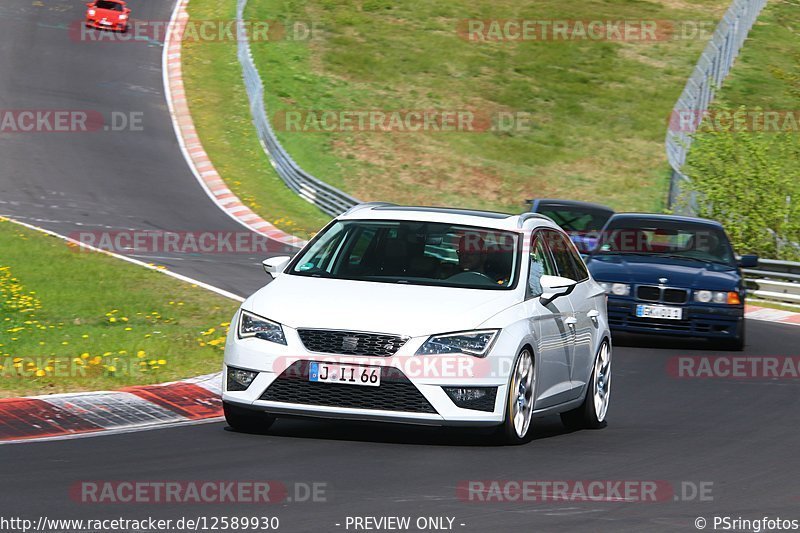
541,265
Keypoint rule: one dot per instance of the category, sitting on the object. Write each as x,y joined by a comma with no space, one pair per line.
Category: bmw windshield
412,252
669,239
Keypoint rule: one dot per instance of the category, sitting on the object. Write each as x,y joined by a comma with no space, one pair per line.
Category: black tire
246,420
585,416
506,432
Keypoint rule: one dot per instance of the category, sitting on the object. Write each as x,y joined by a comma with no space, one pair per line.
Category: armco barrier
709,73
328,198
775,281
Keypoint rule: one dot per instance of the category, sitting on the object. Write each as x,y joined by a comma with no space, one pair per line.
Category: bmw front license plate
659,311
367,376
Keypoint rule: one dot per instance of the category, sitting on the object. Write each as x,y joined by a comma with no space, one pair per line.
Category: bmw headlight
476,343
617,289
717,297
703,296
252,325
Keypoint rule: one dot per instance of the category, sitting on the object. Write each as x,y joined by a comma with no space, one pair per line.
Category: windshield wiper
617,252
688,258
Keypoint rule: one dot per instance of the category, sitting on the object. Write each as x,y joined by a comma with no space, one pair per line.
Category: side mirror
275,265
748,261
555,287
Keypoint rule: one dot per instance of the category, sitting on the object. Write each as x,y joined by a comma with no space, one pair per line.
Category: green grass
751,179
75,321
767,72
221,112
600,108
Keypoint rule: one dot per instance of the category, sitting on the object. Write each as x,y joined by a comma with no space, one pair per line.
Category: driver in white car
472,253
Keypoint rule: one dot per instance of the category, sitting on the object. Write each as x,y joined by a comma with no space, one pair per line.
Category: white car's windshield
418,253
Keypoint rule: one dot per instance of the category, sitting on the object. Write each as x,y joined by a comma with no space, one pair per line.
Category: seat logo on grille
349,343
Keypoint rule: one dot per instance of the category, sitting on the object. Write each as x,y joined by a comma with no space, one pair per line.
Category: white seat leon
424,315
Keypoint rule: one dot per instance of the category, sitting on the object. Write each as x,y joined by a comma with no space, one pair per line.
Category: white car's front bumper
274,364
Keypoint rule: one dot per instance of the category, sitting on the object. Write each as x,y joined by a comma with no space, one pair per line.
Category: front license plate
659,311
366,376
104,22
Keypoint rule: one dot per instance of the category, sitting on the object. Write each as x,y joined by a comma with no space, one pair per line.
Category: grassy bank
749,175
767,72
74,321
599,108
221,113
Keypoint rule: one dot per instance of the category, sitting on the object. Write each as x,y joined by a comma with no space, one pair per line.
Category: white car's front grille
350,342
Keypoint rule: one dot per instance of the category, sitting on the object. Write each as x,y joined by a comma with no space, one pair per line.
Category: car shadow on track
663,342
389,433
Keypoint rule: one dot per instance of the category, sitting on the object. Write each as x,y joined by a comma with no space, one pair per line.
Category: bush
750,182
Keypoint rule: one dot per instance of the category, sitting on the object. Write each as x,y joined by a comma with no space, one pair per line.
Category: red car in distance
108,15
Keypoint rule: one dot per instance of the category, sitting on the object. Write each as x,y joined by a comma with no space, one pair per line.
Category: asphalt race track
737,438
102,180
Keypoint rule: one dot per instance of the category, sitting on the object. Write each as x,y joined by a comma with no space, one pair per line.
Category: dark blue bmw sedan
671,275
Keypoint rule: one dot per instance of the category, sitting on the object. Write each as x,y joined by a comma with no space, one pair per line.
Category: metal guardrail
328,198
709,73
775,281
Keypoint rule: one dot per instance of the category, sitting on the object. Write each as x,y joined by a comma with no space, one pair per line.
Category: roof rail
524,217
365,205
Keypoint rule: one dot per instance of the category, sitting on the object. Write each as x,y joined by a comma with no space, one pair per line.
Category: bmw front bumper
707,321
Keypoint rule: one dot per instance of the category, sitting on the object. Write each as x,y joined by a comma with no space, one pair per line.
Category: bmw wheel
516,428
592,412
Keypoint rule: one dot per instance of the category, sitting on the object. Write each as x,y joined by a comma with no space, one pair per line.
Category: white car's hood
410,310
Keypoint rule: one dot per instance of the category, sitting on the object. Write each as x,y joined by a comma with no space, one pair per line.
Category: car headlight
252,325
718,297
476,343
703,296
92,12
123,17
617,289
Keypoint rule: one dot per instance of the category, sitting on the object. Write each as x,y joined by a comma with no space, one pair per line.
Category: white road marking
164,271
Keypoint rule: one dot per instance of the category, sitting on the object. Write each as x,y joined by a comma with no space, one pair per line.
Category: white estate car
424,315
